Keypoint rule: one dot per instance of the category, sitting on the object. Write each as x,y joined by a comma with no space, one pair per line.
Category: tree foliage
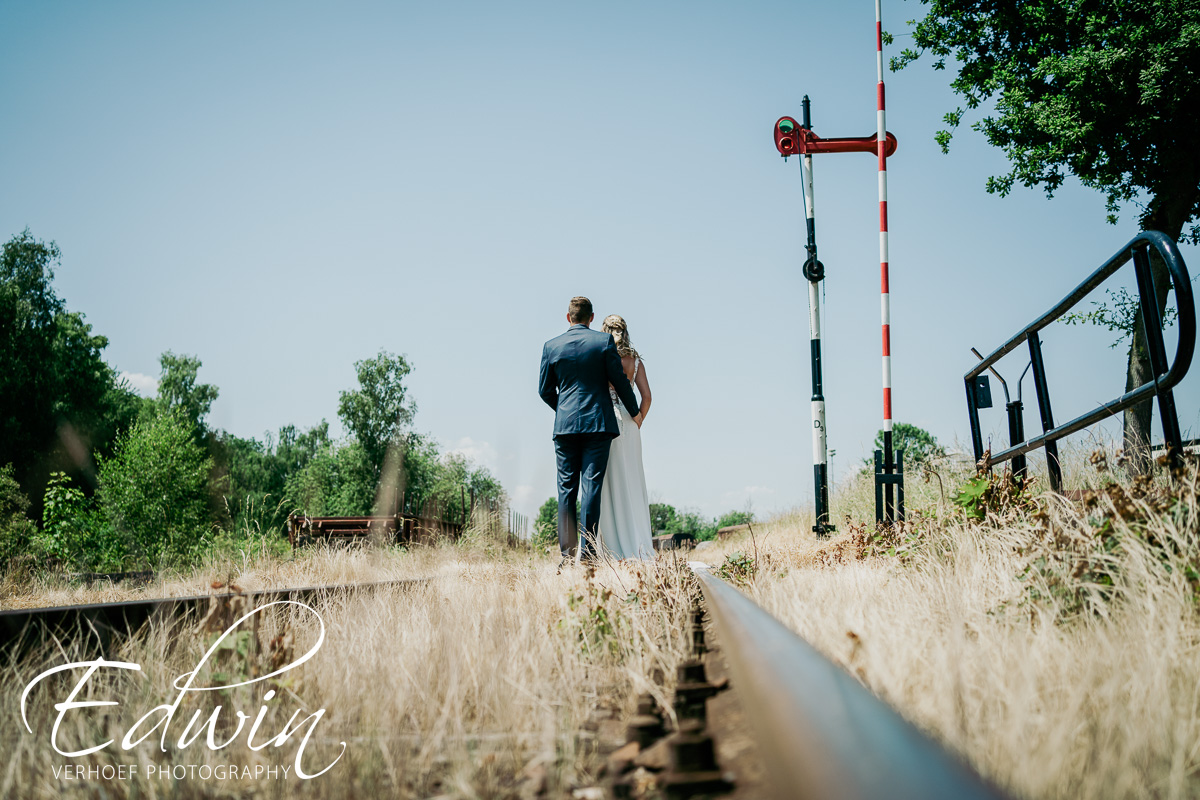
661,516
377,413
917,443
16,528
58,397
545,528
153,491
180,392
730,518
1106,92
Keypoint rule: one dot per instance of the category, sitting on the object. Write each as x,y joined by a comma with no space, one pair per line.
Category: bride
624,503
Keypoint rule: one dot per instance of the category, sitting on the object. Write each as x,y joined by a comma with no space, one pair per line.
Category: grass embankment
1055,644
500,678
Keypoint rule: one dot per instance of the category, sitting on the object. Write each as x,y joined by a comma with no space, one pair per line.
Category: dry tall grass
1005,639
478,684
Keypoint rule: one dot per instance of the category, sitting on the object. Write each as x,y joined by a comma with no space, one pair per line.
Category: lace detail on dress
613,392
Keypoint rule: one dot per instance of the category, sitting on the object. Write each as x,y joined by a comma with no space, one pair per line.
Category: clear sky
282,189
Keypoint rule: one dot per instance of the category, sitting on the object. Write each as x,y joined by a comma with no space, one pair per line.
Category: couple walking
587,377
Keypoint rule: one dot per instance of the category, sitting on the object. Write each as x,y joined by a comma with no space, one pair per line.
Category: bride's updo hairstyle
615,325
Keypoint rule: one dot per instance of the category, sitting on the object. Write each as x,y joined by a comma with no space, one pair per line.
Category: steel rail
820,732
101,624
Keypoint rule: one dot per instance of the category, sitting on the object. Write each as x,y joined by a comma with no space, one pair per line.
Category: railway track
96,627
818,731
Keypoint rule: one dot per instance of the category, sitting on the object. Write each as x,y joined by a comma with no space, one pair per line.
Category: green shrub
337,482
691,523
75,531
731,518
16,529
153,491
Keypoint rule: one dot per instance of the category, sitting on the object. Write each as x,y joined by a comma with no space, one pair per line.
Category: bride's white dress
624,503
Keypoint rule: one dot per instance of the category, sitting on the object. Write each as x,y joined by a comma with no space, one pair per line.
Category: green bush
153,491
545,529
337,482
691,523
75,531
735,518
16,529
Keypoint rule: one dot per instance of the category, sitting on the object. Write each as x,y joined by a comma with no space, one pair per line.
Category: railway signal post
795,139
787,134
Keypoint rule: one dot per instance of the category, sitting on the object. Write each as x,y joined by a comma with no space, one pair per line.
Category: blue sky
283,189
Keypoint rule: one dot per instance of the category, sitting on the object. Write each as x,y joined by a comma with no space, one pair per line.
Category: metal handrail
1164,378
821,733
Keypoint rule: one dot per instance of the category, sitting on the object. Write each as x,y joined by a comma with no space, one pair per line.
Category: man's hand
638,420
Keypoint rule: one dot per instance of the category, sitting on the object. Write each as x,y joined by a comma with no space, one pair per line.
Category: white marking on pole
818,417
814,311
808,187
885,308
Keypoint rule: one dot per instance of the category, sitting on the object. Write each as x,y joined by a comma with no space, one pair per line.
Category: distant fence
1163,378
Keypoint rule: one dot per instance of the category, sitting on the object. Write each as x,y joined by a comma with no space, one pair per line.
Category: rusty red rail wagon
397,529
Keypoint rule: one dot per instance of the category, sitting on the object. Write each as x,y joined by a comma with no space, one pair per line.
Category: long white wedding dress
624,502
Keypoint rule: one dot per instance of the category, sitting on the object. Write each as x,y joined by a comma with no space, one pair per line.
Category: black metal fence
1163,379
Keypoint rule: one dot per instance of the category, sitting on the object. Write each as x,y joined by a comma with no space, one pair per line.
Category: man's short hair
579,310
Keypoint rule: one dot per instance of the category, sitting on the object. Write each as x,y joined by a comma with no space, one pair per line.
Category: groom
577,368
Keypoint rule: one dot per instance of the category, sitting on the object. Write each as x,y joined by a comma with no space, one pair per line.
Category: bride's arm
643,386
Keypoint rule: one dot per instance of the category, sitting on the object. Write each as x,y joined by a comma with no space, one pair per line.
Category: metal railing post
973,414
1016,435
1043,398
1157,350
878,488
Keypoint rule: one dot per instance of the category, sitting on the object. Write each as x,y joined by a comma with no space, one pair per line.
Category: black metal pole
1016,435
1157,350
1043,398
814,272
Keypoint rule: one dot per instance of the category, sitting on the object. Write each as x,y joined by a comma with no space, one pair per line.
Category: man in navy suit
577,368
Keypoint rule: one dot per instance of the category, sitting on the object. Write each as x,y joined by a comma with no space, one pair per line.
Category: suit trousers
582,460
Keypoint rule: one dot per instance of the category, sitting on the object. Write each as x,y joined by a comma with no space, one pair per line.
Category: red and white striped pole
885,299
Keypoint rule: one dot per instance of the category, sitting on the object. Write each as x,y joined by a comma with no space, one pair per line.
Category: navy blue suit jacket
577,368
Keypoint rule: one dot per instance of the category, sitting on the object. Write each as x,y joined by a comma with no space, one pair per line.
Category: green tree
422,469
253,475
730,518
16,529
545,528
1106,92
180,392
58,398
918,444
661,516
690,523
461,482
75,531
154,490
296,449
377,413
337,482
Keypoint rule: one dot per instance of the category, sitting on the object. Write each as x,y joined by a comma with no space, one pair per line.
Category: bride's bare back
637,375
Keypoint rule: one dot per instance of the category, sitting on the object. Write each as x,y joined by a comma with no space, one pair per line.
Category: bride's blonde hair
615,325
